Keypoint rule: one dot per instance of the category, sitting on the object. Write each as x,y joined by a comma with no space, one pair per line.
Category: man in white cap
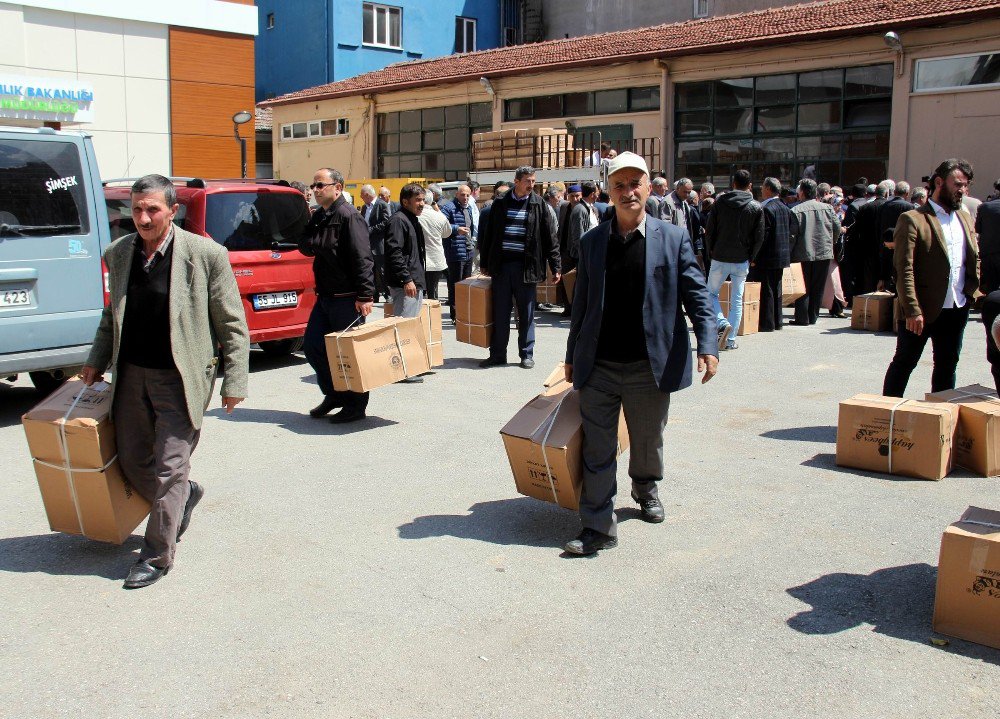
628,346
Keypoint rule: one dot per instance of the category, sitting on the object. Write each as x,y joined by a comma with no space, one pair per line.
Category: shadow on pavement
823,433
299,422
259,361
896,601
66,554
15,401
825,460
848,330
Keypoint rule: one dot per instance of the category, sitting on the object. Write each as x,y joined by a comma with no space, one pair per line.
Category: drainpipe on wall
372,136
666,112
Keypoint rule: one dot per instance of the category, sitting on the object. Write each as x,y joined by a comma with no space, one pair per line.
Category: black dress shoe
197,492
324,408
143,574
347,415
590,541
490,362
527,363
652,509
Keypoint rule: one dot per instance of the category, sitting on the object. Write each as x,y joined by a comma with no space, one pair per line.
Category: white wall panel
147,152
203,14
147,105
147,53
112,152
100,47
49,40
12,43
109,102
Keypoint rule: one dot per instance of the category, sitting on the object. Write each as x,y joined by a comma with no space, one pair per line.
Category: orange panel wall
211,79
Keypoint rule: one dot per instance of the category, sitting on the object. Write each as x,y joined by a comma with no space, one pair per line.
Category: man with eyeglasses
337,237
628,347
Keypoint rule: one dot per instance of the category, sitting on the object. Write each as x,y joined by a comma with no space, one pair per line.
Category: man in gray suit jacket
628,346
174,301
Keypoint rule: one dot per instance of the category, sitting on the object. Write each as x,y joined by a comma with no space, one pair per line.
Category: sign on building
48,99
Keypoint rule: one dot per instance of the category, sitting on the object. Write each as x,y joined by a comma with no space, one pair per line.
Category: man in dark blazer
376,212
780,228
628,346
886,219
936,277
988,229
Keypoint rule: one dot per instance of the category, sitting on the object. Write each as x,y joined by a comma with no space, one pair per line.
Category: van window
252,221
42,188
120,216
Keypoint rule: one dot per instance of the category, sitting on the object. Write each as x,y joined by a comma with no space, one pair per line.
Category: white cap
624,160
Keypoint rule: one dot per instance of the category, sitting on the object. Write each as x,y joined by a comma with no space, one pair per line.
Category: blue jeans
737,272
508,287
331,314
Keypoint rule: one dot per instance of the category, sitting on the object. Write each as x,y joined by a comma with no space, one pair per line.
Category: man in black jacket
864,236
376,213
337,237
405,254
885,219
516,242
780,228
988,229
733,237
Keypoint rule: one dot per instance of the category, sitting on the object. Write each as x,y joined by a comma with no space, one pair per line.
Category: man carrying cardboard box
174,301
628,346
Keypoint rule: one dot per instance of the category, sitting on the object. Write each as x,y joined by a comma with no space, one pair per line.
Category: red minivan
259,222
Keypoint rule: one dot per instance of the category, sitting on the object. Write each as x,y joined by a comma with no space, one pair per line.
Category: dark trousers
614,387
432,280
381,290
945,333
331,314
155,451
770,297
991,310
509,288
807,308
457,271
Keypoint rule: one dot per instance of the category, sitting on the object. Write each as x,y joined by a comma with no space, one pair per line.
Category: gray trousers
403,306
611,388
155,441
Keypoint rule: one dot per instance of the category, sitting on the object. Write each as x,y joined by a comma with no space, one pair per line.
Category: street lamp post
241,118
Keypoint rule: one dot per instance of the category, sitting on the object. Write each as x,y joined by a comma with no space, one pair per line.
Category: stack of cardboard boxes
474,311
750,321
377,353
540,147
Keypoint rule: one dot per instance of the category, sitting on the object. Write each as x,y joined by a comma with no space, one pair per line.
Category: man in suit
818,230
936,277
988,229
866,239
628,347
677,209
376,213
582,219
174,301
386,196
656,197
774,256
886,218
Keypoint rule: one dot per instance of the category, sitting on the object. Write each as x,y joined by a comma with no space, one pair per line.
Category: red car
259,222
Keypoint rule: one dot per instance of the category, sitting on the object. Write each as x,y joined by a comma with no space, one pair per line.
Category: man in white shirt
936,260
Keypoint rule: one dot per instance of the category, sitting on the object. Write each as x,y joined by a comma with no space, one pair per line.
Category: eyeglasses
321,185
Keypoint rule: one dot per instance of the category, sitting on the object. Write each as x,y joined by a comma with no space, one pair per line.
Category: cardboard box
977,438
474,301
377,353
546,292
478,335
872,312
967,599
793,284
569,284
430,320
751,292
72,441
749,320
922,436
544,443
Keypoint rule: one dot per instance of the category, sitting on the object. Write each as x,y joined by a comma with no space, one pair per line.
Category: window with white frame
315,128
465,34
270,21
949,73
701,8
382,25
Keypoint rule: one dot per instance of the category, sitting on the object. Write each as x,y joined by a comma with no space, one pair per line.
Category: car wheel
280,348
46,382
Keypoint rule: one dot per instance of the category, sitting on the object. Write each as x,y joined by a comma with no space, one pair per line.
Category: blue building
305,43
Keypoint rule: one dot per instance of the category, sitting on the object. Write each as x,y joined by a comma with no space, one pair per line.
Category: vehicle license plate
275,299
14,296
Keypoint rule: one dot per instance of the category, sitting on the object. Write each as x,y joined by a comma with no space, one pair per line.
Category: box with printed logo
377,354
977,438
430,320
71,439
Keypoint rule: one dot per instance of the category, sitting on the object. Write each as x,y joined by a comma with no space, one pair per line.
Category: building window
465,34
950,73
315,128
270,21
832,125
434,142
701,8
382,25
581,104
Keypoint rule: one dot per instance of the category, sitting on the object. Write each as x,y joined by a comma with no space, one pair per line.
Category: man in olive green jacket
174,301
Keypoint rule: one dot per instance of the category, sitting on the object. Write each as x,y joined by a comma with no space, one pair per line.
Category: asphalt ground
389,569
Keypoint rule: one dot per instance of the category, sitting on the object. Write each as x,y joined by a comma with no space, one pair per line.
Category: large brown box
977,439
569,284
474,311
377,353
751,292
430,320
922,435
793,284
477,335
72,441
546,291
872,312
544,443
967,600
749,320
